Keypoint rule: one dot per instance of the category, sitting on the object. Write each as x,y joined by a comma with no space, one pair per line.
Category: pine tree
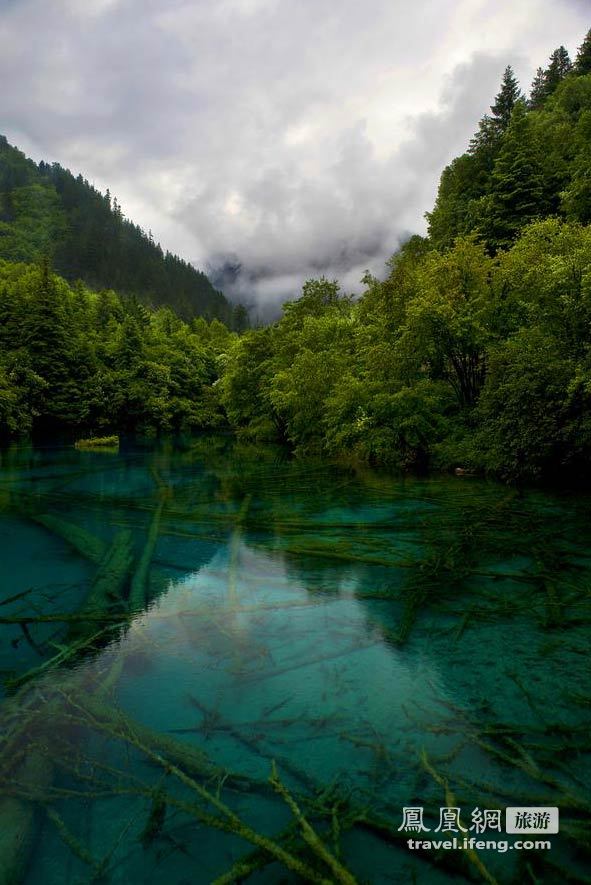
583,60
240,321
45,326
505,100
49,338
485,142
576,199
560,65
539,91
129,347
517,192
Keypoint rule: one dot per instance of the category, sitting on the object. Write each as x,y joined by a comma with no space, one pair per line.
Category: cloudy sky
283,138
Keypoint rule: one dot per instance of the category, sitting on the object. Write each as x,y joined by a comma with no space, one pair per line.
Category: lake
221,664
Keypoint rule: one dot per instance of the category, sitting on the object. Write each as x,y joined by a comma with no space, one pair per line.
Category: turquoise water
176,618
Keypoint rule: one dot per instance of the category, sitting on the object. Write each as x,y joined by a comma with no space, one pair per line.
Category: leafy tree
523,406
246,385
448,323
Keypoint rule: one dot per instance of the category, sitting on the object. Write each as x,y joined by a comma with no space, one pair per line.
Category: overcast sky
289,138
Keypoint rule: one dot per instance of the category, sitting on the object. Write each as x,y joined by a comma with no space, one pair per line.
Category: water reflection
193,612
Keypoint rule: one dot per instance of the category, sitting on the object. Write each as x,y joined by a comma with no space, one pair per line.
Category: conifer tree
583,60
539,91
576,199
48,337
517,192
240,322
45,326
505,100
560,65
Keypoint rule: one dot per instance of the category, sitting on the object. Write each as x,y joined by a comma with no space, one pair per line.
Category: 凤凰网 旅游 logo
529,820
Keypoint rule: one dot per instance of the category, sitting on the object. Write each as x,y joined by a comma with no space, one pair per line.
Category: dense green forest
475,351
46,212
72,359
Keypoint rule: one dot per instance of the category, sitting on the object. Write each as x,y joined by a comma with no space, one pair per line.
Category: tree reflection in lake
219,663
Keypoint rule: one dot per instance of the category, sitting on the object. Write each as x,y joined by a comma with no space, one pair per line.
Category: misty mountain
46,211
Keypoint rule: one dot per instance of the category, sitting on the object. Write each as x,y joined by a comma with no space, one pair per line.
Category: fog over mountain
267,141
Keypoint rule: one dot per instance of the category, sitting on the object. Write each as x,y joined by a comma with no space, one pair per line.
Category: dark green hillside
46,211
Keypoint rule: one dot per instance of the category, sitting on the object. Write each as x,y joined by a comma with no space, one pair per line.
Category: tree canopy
46,212
473,351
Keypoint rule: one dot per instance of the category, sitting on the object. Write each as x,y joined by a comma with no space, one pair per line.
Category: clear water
175,617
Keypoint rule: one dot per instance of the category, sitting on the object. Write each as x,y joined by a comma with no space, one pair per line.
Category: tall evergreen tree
48,335
583,60
485,143
45,326
560,65
576,198
546,81
517,192
505,100
240,321
539,92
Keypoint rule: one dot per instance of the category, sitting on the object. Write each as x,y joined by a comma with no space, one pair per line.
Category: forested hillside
475,351
47,212
75,360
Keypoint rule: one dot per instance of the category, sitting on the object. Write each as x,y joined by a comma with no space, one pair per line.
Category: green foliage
474,351
72,358
398,428
576,198
457,358
523,406
538,93
524,162
516,187
583,60
46,211
505,100
245,384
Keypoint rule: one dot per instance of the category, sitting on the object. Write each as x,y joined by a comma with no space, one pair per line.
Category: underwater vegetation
221,665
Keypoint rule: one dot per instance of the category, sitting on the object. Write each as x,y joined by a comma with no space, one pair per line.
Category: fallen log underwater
84,706
105,599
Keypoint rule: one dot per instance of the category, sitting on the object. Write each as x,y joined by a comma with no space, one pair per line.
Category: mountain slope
46,211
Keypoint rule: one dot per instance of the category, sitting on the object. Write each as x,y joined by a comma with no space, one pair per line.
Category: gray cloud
268,139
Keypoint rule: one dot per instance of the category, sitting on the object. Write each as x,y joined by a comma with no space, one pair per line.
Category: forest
473,352
46,212
74,359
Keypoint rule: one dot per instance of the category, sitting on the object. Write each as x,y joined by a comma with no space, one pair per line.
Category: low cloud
268,141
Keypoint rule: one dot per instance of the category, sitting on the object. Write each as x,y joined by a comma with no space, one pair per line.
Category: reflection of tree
440,557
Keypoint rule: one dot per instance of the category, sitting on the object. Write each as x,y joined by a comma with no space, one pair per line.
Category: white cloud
288,138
